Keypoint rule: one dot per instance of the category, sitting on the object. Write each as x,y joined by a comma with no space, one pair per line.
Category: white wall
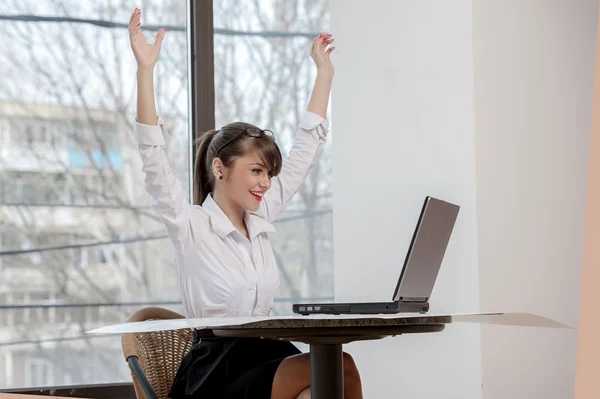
487,104
534,72
402,105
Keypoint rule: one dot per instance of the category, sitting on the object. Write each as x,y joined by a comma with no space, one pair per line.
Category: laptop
420,270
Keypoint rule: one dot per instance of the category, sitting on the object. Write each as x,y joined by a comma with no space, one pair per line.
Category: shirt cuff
313,122
151,134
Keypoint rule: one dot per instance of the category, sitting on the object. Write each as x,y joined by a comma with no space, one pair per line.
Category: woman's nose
266,183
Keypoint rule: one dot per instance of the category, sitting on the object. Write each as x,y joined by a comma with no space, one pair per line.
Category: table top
329,335
330,321
340,323
334,330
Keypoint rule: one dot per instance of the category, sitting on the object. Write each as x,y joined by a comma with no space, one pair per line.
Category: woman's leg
304,394
352,383
292,378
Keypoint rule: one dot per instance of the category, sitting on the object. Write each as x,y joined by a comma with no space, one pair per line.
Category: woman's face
247,180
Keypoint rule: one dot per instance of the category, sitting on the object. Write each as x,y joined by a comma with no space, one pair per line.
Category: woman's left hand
320,55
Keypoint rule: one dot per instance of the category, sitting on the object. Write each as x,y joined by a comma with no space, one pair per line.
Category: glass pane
264,75
79,245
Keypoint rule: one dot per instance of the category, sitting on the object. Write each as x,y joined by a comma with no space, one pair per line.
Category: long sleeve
168,197
312,133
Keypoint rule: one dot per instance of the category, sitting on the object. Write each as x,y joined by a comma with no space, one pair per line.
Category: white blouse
221,272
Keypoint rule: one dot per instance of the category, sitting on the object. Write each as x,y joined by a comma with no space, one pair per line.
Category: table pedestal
326,371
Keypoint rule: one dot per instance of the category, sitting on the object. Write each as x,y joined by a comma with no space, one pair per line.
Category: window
71,187
28,131
4,131
264,75
39,372
34,188
72,195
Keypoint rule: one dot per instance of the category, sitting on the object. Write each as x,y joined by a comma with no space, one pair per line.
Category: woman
224,259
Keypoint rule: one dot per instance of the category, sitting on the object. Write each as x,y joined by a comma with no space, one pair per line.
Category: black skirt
229,368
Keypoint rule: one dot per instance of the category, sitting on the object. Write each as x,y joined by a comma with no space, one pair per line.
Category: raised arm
146,56
311,134
168,197
325,71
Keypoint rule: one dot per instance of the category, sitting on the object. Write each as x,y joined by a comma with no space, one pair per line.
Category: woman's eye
256,170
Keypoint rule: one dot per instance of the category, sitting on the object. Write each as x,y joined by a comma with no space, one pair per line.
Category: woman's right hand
145,54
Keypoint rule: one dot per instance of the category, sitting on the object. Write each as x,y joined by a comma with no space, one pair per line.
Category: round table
326,337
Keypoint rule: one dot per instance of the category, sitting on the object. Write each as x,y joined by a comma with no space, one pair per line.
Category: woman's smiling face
247,180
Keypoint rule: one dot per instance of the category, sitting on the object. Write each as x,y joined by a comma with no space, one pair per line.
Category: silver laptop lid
426,251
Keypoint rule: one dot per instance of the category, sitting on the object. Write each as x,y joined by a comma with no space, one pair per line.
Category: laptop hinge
413,300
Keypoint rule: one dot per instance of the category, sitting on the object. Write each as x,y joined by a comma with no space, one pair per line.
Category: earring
221,177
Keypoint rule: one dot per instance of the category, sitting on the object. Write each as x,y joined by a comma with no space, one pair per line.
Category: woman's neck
233,211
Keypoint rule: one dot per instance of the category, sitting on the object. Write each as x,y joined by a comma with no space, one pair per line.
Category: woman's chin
254,207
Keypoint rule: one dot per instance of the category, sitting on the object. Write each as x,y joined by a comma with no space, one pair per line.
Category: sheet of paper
509,319
514,319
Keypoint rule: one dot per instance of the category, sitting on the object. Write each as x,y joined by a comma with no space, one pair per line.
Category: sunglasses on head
249,131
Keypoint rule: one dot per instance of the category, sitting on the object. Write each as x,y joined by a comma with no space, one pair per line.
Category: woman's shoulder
198,218
200,212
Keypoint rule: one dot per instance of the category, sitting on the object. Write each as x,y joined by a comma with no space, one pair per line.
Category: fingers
133,14
327,40
324,40
320,43
134,22
314,42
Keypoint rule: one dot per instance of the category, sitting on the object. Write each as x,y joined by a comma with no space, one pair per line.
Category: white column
534,74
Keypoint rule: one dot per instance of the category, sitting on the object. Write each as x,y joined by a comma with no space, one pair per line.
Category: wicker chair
154,357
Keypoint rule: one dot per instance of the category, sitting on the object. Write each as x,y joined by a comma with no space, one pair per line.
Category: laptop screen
426,251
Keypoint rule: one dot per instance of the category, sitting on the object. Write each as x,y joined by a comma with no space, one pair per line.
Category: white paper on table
512,319
509,319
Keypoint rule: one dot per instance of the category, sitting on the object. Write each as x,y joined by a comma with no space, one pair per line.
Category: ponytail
204,181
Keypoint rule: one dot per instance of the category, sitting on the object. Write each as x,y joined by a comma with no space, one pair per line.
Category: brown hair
208,143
